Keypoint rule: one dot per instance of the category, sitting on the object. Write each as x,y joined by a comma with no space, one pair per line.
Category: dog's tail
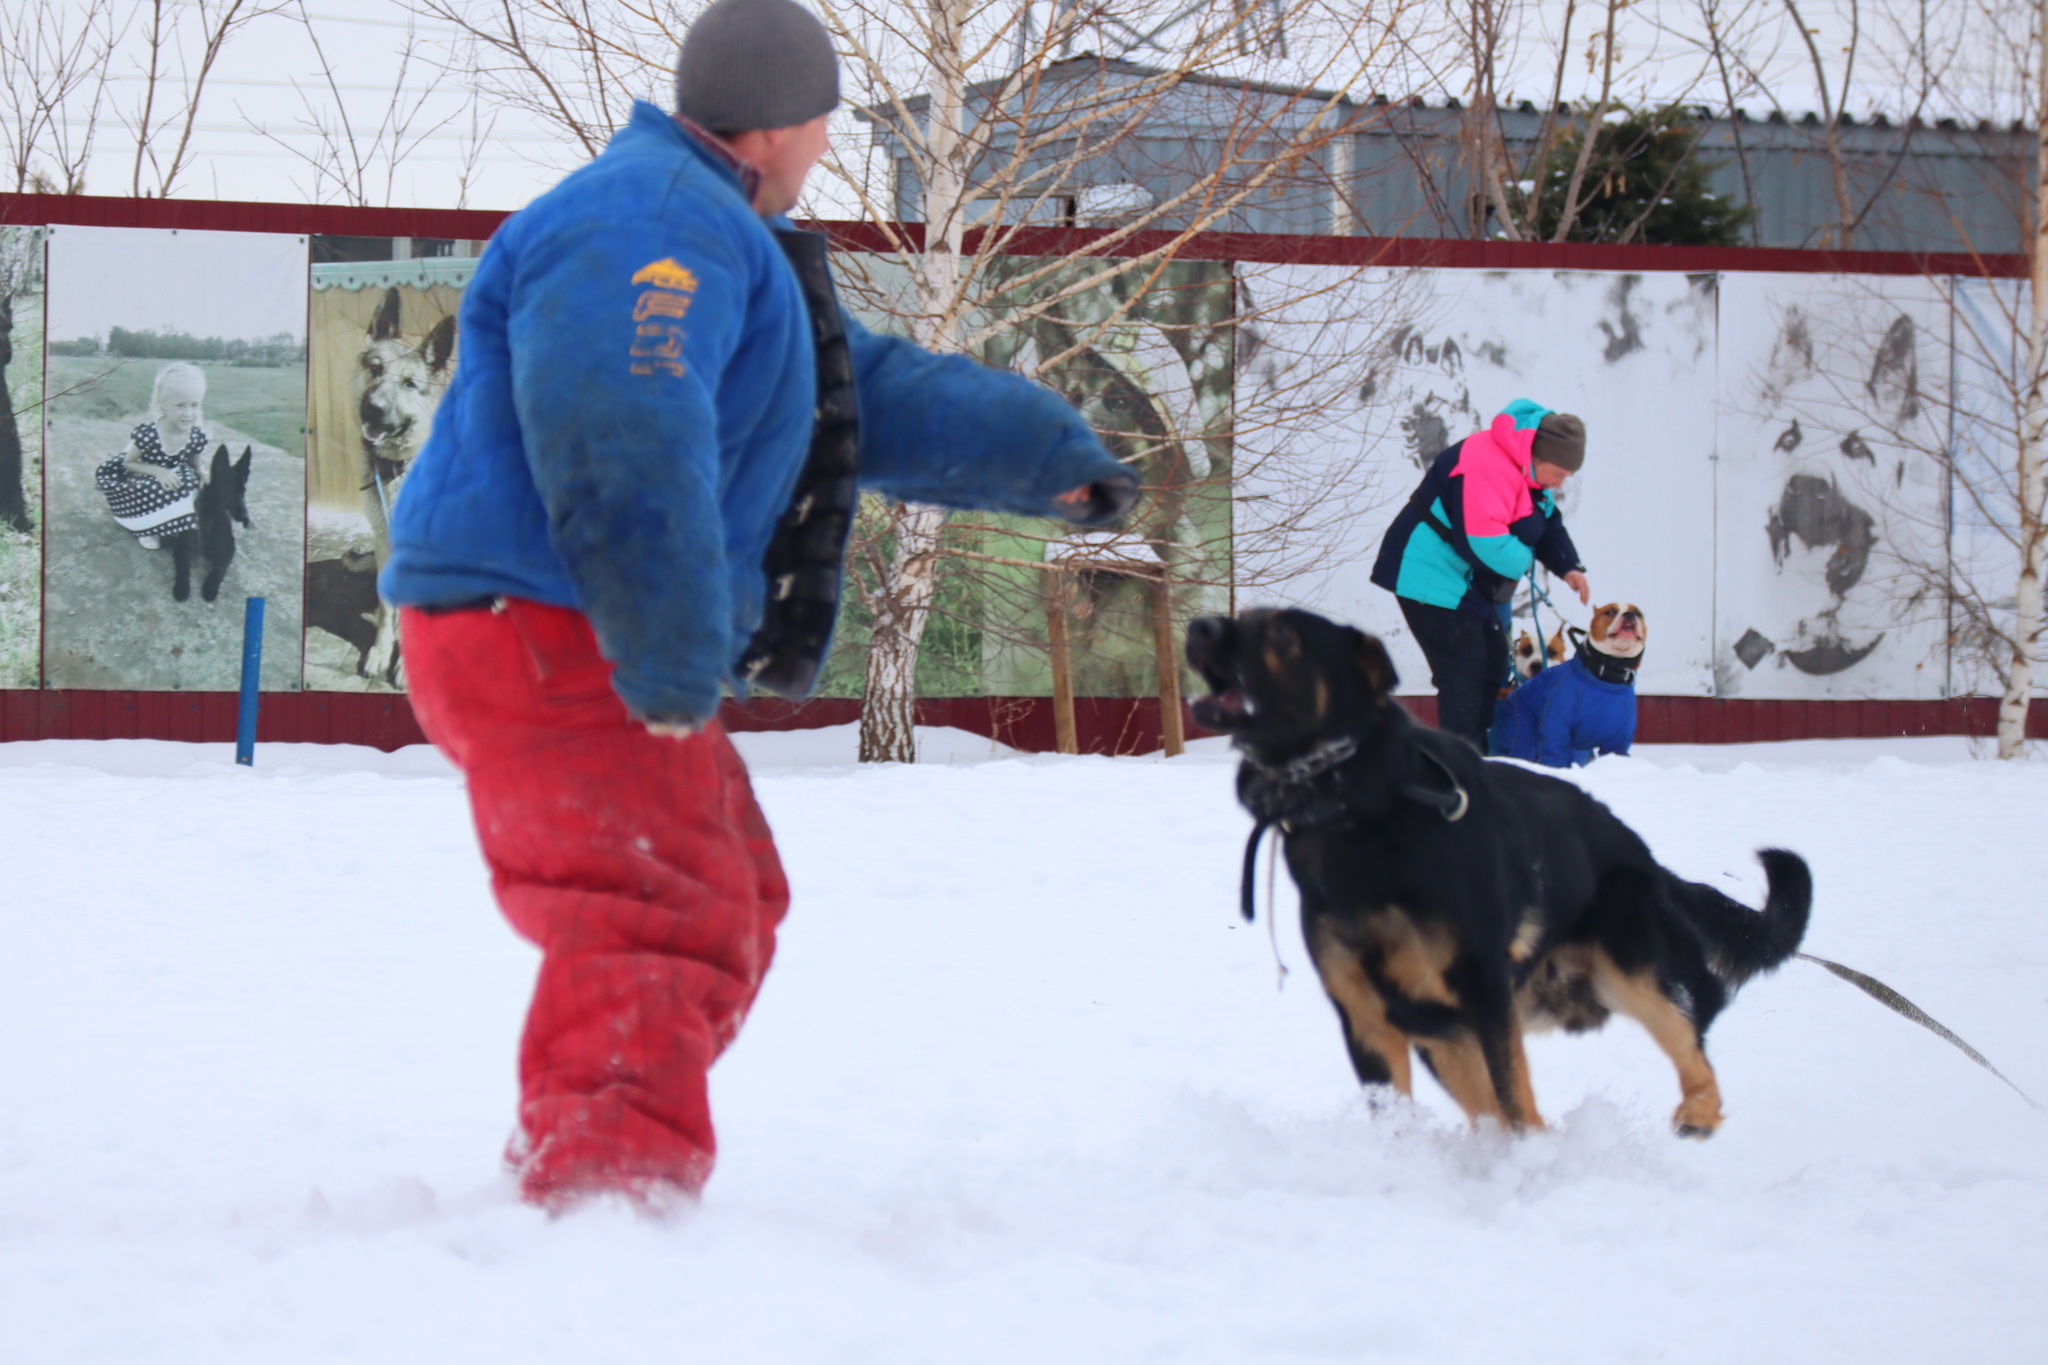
1740,942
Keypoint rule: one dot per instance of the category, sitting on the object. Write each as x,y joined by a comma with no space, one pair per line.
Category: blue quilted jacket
634,405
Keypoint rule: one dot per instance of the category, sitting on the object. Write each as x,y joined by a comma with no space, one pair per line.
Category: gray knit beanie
1560,440
750,64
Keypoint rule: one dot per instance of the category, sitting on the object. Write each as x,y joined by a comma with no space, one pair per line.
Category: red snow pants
639,865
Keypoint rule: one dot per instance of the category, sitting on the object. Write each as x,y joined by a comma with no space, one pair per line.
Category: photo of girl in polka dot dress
152,486
175,477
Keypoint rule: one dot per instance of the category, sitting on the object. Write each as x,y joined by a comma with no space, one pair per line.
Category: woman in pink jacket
1485,511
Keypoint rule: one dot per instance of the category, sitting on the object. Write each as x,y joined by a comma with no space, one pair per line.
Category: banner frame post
252,673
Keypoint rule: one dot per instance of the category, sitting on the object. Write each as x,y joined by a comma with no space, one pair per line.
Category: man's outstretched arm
951,431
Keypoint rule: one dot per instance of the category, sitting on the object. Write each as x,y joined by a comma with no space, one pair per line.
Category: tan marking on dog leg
1527,936
1413,958
1365,1013
1518,1070
1461,1067
1636,995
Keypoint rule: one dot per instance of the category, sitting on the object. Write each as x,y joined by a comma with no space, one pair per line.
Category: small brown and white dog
1619,630
1575,709
1526,666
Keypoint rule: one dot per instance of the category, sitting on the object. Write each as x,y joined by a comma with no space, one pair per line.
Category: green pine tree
1642,161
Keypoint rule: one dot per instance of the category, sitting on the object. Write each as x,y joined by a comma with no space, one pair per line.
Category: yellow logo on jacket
658,346
666,274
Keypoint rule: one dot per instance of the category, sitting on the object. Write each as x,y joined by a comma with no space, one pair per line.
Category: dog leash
1273,925
1900,1005
1536,595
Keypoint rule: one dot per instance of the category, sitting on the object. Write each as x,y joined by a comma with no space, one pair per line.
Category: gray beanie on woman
1560,440
749,64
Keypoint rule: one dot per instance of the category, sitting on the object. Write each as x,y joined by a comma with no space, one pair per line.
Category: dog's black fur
222,501
1450,902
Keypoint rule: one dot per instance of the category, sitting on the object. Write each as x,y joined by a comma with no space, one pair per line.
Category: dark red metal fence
1108,725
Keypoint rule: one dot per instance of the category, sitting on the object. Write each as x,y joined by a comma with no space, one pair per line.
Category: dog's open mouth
1211,653
1228,704
1226,707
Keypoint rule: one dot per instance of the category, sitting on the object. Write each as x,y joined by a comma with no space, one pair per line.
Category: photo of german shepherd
1451,903
398,384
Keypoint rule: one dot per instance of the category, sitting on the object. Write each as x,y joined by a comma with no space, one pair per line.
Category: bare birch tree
1514,180
54,60
574,67
2006,343
2032,527
356,161
1858,52
181,45
993,160
1982,551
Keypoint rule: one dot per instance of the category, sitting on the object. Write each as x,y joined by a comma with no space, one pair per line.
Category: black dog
1449,902
222,501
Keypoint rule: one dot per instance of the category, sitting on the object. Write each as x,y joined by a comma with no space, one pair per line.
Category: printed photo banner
175,474
21,456
1984,496
1769,471
382,323
1394,367
1831,496
1152,376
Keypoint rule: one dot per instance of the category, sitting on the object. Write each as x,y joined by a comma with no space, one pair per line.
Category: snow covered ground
1020,1088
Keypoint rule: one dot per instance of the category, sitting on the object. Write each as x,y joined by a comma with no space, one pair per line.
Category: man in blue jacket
637,492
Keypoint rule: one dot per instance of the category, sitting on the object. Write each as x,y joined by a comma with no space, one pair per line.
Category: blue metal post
252,672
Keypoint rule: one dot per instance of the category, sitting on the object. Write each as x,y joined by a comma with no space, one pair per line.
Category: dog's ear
1377,667
384,326
220,463
242,465
439,347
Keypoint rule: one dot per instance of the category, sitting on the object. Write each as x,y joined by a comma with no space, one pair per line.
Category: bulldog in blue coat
1569,713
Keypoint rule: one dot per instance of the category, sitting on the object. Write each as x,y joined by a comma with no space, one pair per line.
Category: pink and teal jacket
1481,490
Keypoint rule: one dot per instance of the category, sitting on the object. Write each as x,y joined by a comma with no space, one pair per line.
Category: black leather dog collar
1607,667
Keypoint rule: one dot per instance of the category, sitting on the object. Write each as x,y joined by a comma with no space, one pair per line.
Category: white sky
254,87
233,285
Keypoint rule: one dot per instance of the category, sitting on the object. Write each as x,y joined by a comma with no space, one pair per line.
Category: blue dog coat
1564,716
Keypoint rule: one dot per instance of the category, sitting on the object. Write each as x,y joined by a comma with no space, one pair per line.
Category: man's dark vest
805,558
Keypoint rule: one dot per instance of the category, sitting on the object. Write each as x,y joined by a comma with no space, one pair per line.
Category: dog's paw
1698,1117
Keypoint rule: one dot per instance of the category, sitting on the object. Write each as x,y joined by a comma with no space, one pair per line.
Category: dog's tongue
1230,701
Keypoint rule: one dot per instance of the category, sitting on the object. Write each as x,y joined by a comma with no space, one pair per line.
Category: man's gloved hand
1103,500
1529,529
